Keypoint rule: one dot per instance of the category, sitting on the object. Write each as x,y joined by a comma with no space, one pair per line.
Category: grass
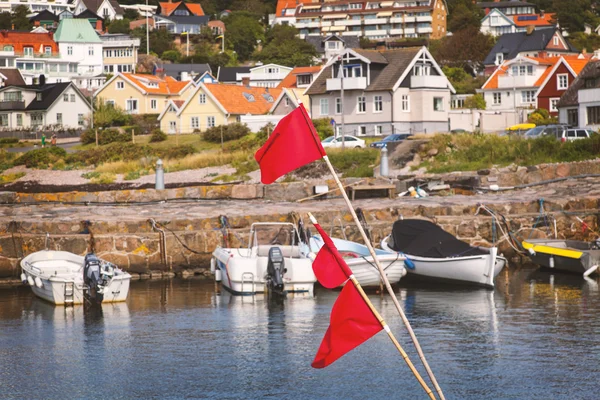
357,163
104,178
204,160
193,139
8,178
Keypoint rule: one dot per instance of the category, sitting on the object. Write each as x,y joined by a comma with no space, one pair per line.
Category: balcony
375,21
396,31
424,19
376,32
121,43
352,33
427,29
7,105
428,81
509,81
359,83
402,20
348,22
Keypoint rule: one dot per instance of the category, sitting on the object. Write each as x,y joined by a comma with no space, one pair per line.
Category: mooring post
383,168
160,176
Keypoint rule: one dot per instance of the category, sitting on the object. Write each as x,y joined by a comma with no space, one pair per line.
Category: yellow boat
565,255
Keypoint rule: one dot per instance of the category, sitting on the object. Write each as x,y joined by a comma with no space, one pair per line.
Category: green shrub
9,140
105,136
90,175
137,130
128,152
355,162
40,158
104,178
132,175
230,132
158,136
323,127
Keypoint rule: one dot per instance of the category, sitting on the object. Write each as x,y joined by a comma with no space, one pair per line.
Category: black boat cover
423,238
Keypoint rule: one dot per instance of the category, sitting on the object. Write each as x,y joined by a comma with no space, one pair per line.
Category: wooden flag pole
384,278
387,329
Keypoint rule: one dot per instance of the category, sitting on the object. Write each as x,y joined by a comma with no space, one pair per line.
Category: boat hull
570,256
53,291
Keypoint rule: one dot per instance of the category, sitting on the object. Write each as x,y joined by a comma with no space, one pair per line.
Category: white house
107,9
579,106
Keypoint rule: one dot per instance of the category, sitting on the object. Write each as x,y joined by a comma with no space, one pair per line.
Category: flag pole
387,329
376,260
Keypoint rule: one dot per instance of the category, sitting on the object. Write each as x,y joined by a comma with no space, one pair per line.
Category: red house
557,79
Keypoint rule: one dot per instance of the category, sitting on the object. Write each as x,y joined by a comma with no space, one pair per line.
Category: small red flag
329,267
352,323
293,143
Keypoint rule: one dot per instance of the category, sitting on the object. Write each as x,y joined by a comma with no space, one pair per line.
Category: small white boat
276,261
436,254
360,261
58,277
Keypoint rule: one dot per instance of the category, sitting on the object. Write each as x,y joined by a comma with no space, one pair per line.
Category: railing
428,81
12,105
352,33
349,83
120,43
348,22
37,55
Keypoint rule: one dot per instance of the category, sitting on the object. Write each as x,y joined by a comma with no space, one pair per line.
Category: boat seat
288,251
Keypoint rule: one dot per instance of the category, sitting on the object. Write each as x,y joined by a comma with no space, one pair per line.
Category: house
231,74
217,27
35,6
11,76
185,72
263,75
78,42
530,43
215,104
43,106
579,106
385,91
119,52
332,45
373,20
94,19
142,94
180,17
292,89
205,77
508,7
107,9
495,23
45,19
531,82
145,10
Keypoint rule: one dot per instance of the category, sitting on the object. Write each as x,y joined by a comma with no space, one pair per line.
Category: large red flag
329,267
293,143
352,323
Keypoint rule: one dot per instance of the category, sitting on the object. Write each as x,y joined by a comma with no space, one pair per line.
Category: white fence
484,121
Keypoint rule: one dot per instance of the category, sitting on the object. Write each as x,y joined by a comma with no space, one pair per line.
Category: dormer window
248,96
333,45
422,70
303,80
182,13
268,97
152,85
28,51
499,58
272,70
48,50
38,96
353,71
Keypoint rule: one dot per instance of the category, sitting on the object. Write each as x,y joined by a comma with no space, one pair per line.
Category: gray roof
186,19
503,4
511,44
590,71
50,92
228,74
318,42
95,4
392,64
175,70
13,76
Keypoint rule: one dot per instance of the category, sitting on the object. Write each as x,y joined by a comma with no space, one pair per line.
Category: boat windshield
276,234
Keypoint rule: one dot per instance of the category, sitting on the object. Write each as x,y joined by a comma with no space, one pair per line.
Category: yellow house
215,104
143,94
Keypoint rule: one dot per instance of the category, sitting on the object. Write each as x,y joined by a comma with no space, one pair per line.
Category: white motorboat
360,261
276,261
436,254
64,278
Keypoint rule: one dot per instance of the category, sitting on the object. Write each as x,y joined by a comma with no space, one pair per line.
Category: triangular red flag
329,267
293,143
352,323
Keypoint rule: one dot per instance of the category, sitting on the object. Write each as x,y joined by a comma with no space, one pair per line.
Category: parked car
569,135
544,130
350,142
519,129
396,137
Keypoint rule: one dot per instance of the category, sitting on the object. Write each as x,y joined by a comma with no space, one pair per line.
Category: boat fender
551,262
38,282
218,275
30,280
531,251
409,263
23,278
212,265
590,271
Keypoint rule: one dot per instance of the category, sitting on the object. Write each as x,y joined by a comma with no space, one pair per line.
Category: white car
351,142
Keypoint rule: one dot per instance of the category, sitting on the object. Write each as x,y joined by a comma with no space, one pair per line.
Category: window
377,103
422,70
272,70
153,104
287,101
352,71
72,98
3,120
303,80
494,20
8,48
120,85
90,51
362,104
210,122
338,105
19,119
405,103
195,123
324,106
378,130
562,81
528,96
80,119
38,96
90,68
131,105
573,117
202,98
65,97
555,40
499,58
28,51
48,50
110,103
497,98
438,104
362,130
553,104
593,115
69,50
172,126
59,118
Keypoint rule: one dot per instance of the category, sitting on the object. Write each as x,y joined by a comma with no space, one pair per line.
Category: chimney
381,46
542,54
530,29
246,81
584,51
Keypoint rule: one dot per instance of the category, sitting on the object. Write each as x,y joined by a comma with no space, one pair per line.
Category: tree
106,115
119,26
20,19
243,33
573,14
171,55
582,41
160,40
464,14
466,48
5,20
285,48
463,82
131,14
476,101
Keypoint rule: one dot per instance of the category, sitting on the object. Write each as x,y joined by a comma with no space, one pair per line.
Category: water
536,336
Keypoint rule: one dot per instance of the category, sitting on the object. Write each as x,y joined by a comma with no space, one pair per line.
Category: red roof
19,40
235,98
167,86
542,20
290,80
168,8
283,4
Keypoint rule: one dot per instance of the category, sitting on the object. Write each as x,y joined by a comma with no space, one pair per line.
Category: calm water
537,336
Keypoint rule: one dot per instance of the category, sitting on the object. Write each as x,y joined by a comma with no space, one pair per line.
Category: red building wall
550,90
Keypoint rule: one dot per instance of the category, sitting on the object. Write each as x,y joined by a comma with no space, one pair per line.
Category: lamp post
147,30
342,98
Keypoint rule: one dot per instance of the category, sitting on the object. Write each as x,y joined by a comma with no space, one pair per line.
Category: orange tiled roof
577,63
233,100
290,80
195,8
542,20
25,39
283,4
166,86
168,8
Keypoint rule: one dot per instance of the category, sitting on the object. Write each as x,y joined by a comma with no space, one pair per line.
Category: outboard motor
93,278
275,271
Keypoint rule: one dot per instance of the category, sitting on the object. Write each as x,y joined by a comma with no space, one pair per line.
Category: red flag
293,143
329,267
352,323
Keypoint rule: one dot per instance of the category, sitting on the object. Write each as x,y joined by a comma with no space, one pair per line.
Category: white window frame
441,103
19,119
497,98
559,86
90,50
129,103
72,98
338,105
66,97
552,104
211,122
379,130
120,85
69,50
80,120
528,96
323,106
405,101
377,100
361,102
195,122
59,119
153,104
362,130
172,126
555,41
202,98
